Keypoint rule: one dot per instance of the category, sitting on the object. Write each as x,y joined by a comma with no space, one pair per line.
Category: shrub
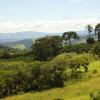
78,48
58,99
95,96
94,71
5,55
96,49
76,63
90,40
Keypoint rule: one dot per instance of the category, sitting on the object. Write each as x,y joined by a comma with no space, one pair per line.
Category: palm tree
97,31
90,29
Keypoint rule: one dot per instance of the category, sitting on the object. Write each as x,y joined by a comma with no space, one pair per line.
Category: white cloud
46,26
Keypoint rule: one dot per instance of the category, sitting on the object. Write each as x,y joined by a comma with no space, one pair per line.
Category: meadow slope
73,90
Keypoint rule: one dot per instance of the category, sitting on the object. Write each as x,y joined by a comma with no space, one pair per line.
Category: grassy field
73,90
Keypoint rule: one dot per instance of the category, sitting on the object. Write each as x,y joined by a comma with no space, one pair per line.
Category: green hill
73,90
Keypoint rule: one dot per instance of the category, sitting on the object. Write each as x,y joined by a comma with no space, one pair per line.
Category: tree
97,31
46,47
69,35
90,29
96,49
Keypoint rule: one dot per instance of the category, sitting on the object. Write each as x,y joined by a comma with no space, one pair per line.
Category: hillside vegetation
53,70
76,89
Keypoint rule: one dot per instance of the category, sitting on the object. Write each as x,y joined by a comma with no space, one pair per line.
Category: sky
48,15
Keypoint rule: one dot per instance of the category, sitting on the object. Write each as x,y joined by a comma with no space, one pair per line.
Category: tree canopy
46,47
69,35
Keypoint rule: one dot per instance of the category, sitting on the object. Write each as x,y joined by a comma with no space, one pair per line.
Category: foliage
46,47
68,35
76,63
97,31
90,29
78,48
96,49
21,76
74,89
90,40
5,55
13,77
95,96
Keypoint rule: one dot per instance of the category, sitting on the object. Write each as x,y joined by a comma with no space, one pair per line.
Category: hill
74,90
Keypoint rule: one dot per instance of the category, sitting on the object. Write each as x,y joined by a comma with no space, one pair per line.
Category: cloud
46,26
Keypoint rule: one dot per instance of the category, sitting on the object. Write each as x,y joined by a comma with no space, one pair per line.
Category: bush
76,63
14,77
6,55
96,49
94,71
95,96
90,40
78,48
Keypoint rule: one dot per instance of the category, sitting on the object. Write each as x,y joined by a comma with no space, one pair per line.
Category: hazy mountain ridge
24,40
13,37
22,44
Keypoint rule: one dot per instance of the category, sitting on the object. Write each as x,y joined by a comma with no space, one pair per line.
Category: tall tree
47,47
97,31
69,35
90,29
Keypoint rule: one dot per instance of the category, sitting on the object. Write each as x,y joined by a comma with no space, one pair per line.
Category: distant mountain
13,37
25,44
24,40
82,33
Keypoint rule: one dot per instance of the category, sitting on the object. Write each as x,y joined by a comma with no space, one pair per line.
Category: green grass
73,90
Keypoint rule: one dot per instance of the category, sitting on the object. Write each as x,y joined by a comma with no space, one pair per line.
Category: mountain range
13,37
24,40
